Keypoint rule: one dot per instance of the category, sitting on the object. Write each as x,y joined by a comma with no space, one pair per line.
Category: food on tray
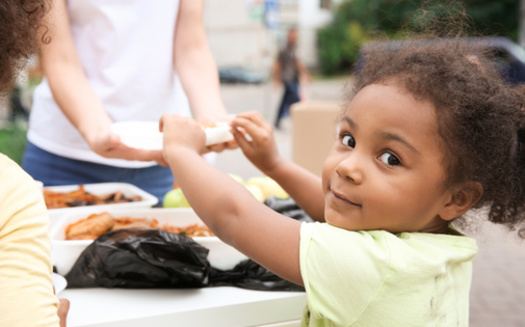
90,228
206,123
190,230
127,222
80,197
97,224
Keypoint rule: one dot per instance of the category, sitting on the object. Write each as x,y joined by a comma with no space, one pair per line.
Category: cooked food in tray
80,197
97,224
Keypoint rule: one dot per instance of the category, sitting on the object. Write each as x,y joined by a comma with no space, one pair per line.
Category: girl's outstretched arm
303,186
228,209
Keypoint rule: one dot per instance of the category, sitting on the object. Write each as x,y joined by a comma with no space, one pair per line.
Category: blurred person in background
21,94
27,297
112,62
289,71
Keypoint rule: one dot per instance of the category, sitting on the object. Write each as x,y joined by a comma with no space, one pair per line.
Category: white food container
64,253
148,200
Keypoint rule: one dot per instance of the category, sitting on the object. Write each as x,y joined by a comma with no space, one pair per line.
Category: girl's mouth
340,198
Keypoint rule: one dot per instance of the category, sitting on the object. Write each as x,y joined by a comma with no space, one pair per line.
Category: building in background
248,33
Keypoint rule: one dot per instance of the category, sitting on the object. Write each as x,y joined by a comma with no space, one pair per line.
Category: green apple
256,192
175,199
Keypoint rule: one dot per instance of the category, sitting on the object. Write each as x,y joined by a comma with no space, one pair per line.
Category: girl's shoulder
404,243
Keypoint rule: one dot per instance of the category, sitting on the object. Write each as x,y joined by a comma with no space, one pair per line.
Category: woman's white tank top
126,49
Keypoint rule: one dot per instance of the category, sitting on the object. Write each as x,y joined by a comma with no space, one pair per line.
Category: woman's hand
256,140
107,144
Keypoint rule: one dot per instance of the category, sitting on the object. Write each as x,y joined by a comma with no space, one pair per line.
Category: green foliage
356,21
339,45
13,141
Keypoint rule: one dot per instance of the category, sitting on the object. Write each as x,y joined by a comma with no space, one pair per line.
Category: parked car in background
509,55
240,75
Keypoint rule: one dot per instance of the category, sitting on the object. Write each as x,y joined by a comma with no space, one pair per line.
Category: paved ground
498,287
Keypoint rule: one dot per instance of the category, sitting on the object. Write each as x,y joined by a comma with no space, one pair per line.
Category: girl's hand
181,133
259,146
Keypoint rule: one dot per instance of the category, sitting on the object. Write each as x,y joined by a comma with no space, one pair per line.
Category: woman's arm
230,211
195,64
303,186
73,93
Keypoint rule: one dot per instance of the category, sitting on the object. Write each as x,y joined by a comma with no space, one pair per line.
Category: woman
117,61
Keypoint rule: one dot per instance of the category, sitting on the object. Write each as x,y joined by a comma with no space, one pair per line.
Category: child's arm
303,186
226,207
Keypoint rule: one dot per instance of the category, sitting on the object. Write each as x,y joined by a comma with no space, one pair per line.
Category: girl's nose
351,167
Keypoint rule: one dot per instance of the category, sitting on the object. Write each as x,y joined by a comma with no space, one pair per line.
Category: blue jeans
290,96
56,170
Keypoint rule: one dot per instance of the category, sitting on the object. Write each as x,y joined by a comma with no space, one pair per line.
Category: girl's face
385,170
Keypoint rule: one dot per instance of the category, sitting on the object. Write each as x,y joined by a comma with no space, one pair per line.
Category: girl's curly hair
481,117
21,22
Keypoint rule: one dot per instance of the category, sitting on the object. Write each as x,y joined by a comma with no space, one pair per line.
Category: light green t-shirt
377,278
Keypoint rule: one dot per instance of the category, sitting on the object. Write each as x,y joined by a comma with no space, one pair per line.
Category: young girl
430,131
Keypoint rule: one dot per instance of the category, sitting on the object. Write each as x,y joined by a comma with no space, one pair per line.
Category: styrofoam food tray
64,253
129,190
145,134
139,134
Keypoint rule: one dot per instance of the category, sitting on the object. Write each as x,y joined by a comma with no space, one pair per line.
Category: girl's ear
462,199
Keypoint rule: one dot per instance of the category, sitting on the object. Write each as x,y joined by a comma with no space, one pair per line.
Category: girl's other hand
181,132
256,140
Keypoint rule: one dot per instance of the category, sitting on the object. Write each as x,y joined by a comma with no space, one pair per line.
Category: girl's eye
348,140
390,159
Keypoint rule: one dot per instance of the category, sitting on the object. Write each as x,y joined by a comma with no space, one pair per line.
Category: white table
210,306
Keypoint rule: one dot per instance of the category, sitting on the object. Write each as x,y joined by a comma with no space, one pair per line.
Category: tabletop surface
209,306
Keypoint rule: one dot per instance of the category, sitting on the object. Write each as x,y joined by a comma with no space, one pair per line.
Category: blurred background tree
356,21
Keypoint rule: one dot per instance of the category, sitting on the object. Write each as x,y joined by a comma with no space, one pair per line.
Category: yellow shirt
377,278
26,287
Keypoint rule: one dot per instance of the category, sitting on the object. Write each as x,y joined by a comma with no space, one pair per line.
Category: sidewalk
498,286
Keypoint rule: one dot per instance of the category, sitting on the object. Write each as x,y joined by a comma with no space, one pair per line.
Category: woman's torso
126,50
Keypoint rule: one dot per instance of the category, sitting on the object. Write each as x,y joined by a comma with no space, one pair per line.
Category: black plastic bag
287,207
141,258
250,275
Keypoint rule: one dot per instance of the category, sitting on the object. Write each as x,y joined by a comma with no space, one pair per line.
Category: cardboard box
313,132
